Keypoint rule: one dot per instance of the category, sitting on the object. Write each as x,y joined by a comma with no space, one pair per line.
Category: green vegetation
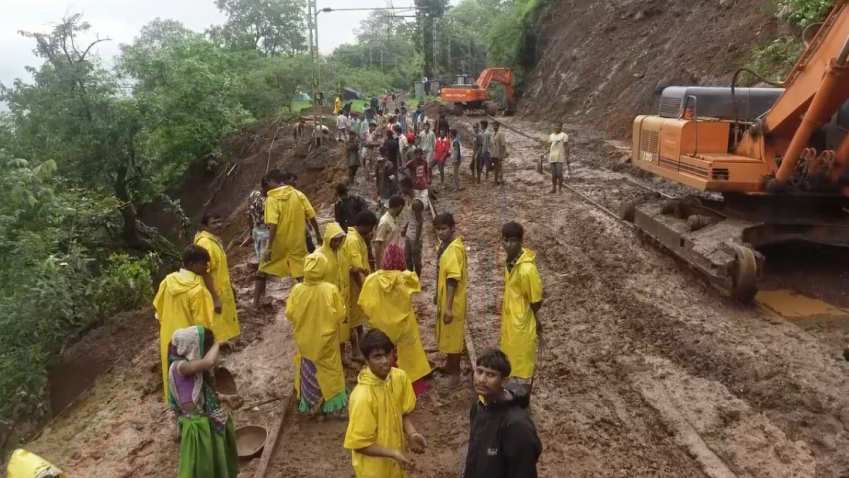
803,13
513,36
775,59
84,149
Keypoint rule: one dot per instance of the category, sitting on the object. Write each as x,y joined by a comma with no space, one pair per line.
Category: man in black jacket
503,441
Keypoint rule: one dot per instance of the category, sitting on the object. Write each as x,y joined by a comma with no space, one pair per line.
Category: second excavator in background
465,95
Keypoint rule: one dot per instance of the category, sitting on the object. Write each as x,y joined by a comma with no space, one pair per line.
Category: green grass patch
775,59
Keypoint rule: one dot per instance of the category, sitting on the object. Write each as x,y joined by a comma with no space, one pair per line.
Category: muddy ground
645,370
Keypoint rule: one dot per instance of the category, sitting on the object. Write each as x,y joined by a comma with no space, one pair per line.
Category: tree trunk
129,213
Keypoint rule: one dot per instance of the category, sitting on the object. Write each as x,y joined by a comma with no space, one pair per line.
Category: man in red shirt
419,172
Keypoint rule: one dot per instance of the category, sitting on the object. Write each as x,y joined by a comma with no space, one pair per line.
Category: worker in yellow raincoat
287,211
386,298
225,324
337,273
25,464
353,255
333,239
337,105
182,301
379,426
316,311
520,304
452,280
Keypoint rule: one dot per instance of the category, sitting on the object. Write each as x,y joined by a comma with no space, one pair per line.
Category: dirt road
645,371
648,372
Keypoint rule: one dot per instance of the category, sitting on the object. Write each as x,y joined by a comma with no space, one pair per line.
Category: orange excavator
465,95
772,164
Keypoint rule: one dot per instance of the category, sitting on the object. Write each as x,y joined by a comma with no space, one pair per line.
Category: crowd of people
352,306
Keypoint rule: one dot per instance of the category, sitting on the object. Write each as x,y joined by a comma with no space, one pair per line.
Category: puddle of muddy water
794,305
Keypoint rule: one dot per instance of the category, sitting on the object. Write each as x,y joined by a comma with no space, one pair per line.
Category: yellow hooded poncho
452,265
182,301
24,464
386,299
353,253
522,287
331,274
225,326
375,416
316,310
288,209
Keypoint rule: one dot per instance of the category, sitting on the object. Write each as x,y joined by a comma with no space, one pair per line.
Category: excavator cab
464,81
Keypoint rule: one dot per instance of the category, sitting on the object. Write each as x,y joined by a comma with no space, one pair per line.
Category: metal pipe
841,159
821,108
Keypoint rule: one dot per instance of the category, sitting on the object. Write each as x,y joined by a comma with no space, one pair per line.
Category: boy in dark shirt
347,206
503,441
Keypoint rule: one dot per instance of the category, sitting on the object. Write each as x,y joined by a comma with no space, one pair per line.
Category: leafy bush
775,59
61,296
804,12
125,283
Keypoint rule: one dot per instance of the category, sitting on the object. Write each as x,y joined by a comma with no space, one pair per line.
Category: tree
270,26
73,115
385,44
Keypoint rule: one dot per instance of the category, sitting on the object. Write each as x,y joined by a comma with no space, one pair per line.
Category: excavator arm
816,87
503,76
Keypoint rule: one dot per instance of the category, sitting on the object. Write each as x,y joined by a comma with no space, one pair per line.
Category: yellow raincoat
331,273
522,287
452,265
375,411
355,252
337,105
316,309
225,326
386,299
182,301
24,464
288,209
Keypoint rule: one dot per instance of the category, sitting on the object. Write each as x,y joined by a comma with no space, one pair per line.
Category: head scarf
187,345
393,258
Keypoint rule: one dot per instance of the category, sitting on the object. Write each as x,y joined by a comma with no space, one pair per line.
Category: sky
121,20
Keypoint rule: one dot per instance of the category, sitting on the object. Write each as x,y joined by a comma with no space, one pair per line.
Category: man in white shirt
403,145
368,140
427,142
558,153
341,127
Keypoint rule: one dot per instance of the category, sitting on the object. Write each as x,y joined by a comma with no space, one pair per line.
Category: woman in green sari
207,438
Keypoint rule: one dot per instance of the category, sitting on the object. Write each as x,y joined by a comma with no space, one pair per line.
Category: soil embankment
600,63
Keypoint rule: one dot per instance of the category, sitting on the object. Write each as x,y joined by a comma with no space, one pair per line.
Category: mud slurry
644,370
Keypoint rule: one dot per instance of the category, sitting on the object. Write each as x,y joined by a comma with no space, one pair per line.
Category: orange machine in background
775,157
465,95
